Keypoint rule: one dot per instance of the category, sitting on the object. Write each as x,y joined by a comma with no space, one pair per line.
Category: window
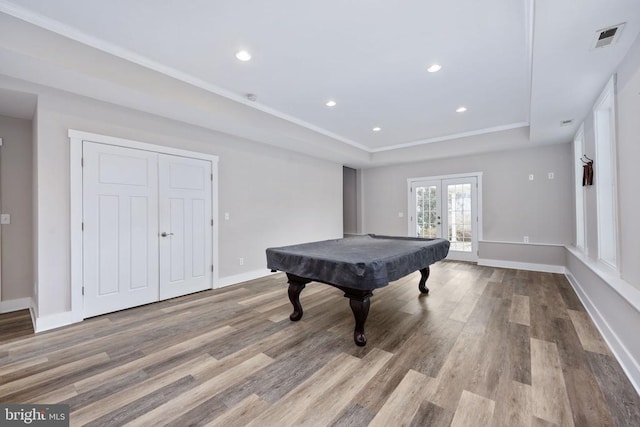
605,176
578,151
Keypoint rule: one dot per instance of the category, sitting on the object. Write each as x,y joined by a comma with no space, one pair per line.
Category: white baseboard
45,323
544,268
243,277
627,361
15,305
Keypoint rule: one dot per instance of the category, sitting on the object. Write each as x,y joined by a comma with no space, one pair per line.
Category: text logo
34,415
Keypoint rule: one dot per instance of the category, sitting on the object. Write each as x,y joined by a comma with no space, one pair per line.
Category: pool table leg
424,272
360,307
296,285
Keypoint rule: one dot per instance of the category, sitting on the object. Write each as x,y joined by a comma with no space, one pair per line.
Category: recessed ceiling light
243,55
377,129
461,109
330,103
434,68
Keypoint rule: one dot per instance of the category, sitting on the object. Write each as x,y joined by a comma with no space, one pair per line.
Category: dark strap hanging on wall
587,171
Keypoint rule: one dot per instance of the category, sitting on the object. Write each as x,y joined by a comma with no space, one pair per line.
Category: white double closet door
147,227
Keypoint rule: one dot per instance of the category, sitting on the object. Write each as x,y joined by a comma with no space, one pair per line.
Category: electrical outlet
531,177
526,239
551,176
241,260
226,216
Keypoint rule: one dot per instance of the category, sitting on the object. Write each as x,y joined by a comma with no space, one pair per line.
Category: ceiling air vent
607,36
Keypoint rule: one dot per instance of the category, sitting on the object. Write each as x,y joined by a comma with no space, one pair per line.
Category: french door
446,208
147,231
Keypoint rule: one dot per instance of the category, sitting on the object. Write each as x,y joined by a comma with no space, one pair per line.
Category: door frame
76,139
411,208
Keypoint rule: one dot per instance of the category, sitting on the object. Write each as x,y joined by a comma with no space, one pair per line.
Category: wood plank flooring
486,347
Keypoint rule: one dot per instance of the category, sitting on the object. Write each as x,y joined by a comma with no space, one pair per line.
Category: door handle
165,234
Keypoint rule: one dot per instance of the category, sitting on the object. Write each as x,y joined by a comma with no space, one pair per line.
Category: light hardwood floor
486,347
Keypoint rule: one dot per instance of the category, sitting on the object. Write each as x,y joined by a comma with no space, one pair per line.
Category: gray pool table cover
364,262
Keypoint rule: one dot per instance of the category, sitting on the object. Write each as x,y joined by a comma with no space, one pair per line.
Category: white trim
75,226
579,189
441,177
76,139
243,277
521,243
450,137
479,232
52,321
33,311
544,268
529,19
606,102
128,143
15,305
626,360
622,287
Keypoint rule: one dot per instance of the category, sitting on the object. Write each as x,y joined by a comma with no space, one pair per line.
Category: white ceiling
511,63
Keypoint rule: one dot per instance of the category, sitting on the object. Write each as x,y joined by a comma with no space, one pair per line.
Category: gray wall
16,190
274,197
513,206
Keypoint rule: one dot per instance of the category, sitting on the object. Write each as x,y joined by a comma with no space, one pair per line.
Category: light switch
5,219
226,215
531,177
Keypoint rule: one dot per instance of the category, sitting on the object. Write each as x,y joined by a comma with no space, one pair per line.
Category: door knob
165,234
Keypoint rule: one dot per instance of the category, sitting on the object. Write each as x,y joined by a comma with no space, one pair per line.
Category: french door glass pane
426,212
459,227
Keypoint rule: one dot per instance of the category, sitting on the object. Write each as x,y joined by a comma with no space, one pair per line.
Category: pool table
356,265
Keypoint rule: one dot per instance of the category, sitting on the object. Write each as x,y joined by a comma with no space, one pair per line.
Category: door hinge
212,222
82,226
83,290
212,267
211,177
81,162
